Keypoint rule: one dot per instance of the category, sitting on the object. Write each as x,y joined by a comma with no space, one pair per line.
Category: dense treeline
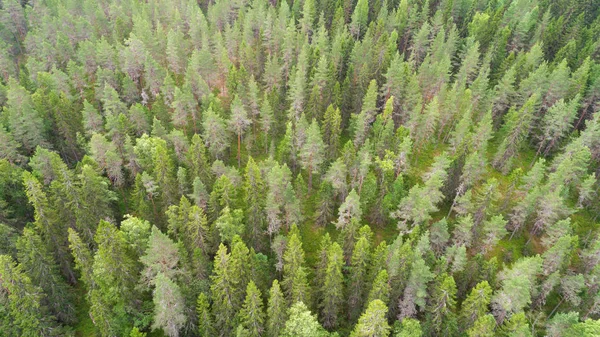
314,168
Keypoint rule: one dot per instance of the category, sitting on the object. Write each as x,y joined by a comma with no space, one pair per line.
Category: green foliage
124,127
373,322
302,323
276,310
252,315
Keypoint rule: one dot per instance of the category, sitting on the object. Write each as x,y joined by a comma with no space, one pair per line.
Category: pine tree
252,315
161,257
239,121
168,306
312,152
373,322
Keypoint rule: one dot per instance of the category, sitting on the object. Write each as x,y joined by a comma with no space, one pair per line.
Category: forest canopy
250,168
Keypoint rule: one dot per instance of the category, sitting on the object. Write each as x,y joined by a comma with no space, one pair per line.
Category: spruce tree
36,262
441,315
276,311
373,321
24,315
332,292
475,305
205,319
357,287
295,275
252,315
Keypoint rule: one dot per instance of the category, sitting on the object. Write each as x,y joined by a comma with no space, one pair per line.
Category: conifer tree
364,119
483,327
321,266
373,321
239,121
416,288
24,314
254,197
252,315
357,287
360,16
215,132
196,158
52,230
276,311
225,289
409,327
205,319
493,231
441,315
95,201
331,130
168,306
312,152
161,257
380,289
295,282
332,292
517,127
475,305
38,264
114,276
24,121
302,323
83,259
